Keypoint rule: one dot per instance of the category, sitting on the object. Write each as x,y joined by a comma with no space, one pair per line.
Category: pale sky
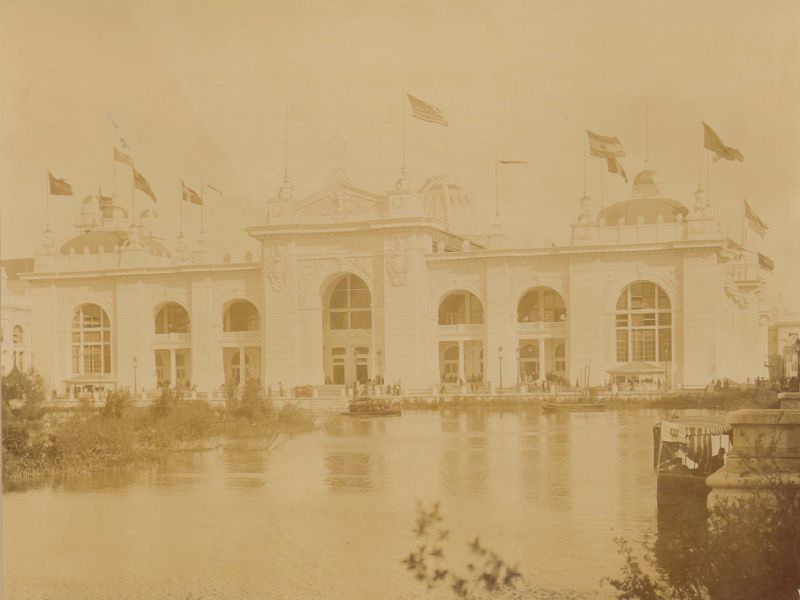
199,89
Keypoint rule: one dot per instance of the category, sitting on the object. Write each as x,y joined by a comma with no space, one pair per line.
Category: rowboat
578,404
371,407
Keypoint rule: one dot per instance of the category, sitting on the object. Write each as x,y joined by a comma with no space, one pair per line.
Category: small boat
371,407
574,405
581,403
686,450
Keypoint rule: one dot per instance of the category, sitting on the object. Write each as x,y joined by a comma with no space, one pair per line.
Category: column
172,370
461,360
542,362
242,366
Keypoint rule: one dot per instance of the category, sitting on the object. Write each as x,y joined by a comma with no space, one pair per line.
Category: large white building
408,285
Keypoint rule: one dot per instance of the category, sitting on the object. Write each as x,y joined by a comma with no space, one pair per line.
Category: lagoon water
330,514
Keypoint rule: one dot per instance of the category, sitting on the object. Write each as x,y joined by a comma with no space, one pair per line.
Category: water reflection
551,490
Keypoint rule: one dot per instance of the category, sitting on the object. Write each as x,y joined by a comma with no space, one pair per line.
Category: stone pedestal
789,400
766,446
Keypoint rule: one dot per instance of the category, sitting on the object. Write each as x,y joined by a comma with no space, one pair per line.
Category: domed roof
93,241
148,214
647,203
445,200
90,203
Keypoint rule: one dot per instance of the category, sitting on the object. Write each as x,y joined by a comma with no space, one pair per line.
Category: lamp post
135,366
500,361
797,350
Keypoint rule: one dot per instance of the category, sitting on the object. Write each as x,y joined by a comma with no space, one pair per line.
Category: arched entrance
347,331
460,335
541,321
241,342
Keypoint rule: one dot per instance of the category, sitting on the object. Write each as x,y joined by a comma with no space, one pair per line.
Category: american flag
426,112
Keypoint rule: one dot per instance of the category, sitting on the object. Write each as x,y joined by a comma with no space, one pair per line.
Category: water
330,514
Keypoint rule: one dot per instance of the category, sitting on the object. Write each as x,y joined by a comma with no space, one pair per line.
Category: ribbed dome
647,203
445,200
94,241
114,212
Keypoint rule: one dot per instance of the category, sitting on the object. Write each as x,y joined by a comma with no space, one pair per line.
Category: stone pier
766,444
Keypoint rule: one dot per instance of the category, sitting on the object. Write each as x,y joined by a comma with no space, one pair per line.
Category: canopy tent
701,436
637,368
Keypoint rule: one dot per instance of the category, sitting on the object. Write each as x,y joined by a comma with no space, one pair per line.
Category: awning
637,368
695,433
87,379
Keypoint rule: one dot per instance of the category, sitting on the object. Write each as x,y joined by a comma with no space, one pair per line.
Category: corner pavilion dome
445,200
647,203
98,241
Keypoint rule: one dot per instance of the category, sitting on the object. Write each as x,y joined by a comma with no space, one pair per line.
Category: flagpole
496,195
114,177
180,210
202,207
585,155
403,113
133,196
602,187
47,204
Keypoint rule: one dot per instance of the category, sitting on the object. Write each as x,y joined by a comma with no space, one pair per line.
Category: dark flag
122,157
426,112
59,187
140,183
189,195
614,166
713,142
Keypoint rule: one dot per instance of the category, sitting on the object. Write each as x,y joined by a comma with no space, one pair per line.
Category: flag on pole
426,112
604,146
208,185
105,201
713,142
614,166
122,157
140,183
59,187
189,195
753,219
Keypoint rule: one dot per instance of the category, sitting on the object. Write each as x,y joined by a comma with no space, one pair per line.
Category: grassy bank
122,436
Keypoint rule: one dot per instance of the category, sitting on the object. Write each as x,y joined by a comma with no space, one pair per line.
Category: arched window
541,304
461,308
644,324
349,305
91,341
172,318
241,315
18,336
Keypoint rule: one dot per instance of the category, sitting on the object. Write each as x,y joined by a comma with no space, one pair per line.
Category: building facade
409,286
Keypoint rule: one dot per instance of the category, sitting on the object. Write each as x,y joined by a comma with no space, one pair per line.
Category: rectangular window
339,299
361,319
359,299
665,344
107,358
338,320
622,345
622,320
644,344
665,319
76,359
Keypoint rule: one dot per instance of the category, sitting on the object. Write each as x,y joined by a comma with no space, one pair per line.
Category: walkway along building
407,285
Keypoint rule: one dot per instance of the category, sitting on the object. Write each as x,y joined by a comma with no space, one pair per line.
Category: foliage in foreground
121,435
747,549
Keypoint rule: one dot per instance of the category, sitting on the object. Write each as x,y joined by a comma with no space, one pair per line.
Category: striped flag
140,183
604,146
713,142
105,201
614,166
59,187
122,157
426,112
189,195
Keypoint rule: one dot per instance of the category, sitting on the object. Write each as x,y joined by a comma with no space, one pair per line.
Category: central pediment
340,202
